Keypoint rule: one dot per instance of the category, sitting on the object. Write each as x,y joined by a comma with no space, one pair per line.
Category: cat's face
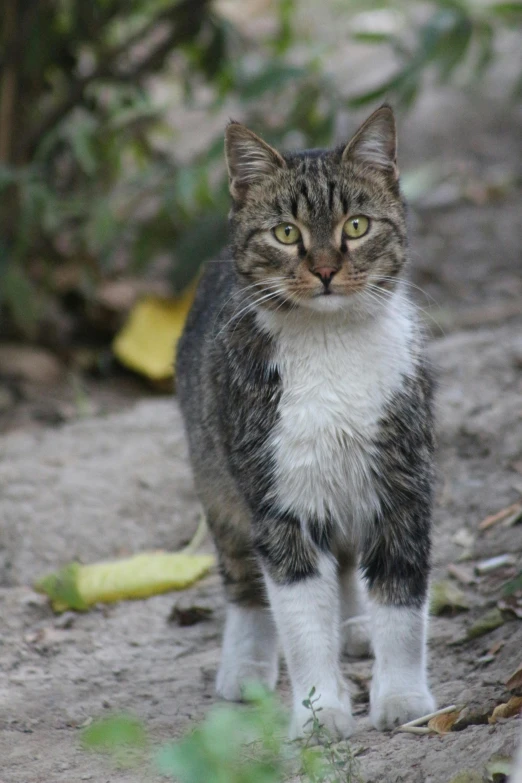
318,229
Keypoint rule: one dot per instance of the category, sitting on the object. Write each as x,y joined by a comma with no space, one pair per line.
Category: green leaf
114,732
18,293
272,78
508,12
513,585
367,37
371,96
447,598
488,622
484,37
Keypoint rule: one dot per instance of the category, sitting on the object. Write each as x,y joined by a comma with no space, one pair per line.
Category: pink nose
325,273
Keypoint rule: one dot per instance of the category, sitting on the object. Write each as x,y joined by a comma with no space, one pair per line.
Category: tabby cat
307,403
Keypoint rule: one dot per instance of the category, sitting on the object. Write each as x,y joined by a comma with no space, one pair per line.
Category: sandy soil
121,483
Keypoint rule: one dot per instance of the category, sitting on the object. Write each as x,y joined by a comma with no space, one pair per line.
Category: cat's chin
333,303
350,304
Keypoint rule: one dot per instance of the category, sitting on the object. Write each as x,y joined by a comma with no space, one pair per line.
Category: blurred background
112,183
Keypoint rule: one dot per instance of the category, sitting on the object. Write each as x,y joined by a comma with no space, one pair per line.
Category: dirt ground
120,483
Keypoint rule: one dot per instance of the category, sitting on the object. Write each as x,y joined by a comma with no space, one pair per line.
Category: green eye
356,227
287,233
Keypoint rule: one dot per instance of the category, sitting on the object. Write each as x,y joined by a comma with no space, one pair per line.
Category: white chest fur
337,379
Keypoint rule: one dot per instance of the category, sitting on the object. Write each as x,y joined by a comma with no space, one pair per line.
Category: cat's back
215,288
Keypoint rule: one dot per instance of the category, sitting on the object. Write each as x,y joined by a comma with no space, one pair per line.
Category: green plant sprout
235,744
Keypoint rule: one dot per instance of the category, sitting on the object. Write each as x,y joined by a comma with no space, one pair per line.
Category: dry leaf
507,710
447,598
442,724
515,681
147,342
78,586
488,622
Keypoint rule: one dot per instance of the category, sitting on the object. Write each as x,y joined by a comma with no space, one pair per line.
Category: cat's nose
325,274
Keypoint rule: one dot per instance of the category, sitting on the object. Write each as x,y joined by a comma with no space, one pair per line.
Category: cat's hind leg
355,617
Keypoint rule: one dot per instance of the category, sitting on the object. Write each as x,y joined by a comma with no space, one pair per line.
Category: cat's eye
356,227
287,233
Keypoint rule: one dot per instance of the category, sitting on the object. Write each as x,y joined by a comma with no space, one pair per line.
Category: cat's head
319,229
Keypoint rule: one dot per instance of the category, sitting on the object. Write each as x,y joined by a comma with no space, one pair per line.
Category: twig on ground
424,719
500,515
413,730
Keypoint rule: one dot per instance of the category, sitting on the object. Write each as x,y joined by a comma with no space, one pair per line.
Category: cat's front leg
396,566
399,691
303,589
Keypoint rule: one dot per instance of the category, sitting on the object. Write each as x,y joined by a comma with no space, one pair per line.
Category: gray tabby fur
308,410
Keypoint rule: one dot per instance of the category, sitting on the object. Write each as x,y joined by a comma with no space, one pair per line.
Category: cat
307,403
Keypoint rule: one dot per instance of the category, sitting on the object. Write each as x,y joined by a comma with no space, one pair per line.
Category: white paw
356,637
395,708
232,677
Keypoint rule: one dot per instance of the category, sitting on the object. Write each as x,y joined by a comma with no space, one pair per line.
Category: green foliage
457,35
122,736
89,166
92,96
238,745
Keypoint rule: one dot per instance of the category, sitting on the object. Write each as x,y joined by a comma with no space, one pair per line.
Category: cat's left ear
249,159
375,143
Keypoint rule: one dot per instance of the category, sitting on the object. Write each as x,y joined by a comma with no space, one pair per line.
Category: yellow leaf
508,710
442,724
80,586
147,341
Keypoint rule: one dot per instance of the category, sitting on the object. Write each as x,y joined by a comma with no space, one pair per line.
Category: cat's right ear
249,159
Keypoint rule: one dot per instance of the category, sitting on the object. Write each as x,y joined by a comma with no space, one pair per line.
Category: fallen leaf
447,598
507,710
147,342
498,769
467,776
513,585
189,615
515,681
488,622
495,648
442,724
78,586
474,715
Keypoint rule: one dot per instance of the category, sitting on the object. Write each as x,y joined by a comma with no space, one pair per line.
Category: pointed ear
249,159
375,143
